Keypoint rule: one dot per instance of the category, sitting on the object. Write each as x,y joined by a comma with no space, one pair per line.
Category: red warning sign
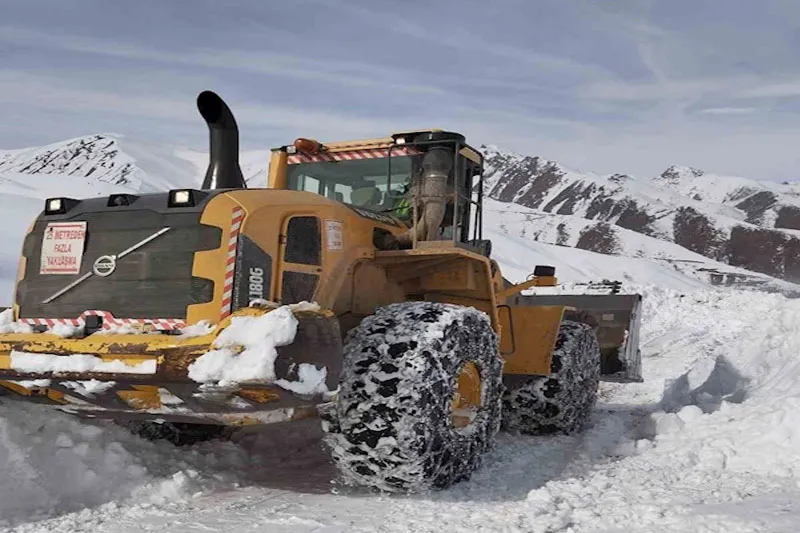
62,248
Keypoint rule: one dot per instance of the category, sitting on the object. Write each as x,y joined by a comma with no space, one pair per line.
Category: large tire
391,426
563,401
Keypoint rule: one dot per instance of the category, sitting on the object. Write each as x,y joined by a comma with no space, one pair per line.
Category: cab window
359,182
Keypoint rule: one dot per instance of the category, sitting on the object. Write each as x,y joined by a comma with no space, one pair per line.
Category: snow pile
88,388
246,351
723,381
66,330
200,329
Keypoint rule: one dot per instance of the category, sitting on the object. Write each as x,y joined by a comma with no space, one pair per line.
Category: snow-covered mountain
95,165
680,228
110,159
744,223
103,160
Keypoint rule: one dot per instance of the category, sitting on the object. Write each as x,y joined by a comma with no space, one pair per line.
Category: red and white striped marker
237,217
109,321
351,155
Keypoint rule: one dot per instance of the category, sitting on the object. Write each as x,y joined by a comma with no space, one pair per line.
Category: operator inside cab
431,189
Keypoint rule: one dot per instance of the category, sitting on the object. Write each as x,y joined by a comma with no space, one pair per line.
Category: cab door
300,263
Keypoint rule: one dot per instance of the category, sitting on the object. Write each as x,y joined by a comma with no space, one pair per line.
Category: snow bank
736,406
53,463
720,420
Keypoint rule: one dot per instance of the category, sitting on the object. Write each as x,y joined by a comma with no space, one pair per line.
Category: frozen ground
709,443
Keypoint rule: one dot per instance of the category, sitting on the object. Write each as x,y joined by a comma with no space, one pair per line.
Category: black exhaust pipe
223,153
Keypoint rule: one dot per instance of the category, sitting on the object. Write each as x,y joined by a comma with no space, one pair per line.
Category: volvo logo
105,265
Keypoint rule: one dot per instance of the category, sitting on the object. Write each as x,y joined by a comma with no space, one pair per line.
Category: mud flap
616,319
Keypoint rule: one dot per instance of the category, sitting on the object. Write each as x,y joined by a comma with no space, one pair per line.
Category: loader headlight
186,197
181,198
54,205
59,206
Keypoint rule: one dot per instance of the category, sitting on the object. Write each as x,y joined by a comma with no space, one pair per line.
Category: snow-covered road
709,442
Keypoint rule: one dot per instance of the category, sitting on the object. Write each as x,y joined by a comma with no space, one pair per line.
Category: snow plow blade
147,376
616,319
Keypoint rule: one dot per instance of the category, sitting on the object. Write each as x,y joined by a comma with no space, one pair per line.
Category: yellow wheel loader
314,296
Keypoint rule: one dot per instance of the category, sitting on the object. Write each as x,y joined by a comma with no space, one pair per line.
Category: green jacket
403,208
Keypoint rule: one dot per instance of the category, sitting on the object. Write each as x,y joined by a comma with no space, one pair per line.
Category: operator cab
376,175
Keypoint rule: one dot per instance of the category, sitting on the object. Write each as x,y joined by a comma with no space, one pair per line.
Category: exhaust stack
223,163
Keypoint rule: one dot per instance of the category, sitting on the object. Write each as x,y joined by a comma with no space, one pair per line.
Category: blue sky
606,86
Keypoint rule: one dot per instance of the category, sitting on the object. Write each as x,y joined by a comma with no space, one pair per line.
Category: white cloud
628,86
460,32
728,110
341,72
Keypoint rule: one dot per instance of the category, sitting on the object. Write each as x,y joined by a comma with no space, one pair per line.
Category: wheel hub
467,397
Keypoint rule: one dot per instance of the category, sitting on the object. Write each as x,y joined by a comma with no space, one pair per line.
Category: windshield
359,182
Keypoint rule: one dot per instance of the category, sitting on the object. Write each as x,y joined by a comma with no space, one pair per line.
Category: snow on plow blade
233,375
617,321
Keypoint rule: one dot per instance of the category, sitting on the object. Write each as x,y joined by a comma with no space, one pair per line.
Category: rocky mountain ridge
744,223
